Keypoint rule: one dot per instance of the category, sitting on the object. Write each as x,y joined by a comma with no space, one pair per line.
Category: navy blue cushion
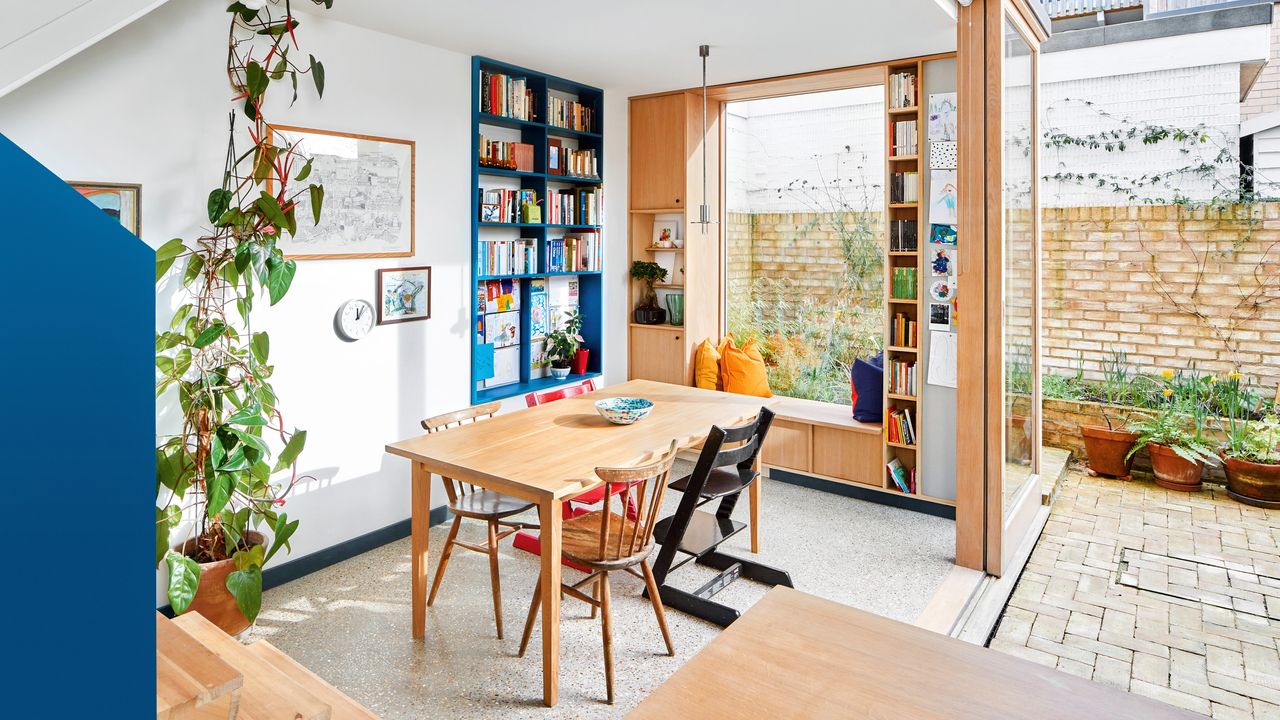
868,382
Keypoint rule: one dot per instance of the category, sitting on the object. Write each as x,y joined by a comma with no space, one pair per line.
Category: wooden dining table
546,455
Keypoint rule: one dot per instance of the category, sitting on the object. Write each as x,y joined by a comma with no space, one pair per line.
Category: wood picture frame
404,294
120,201
375,158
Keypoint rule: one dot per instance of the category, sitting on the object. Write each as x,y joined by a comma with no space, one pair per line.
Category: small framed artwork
404,294
490,212
666,234
939,316
120,201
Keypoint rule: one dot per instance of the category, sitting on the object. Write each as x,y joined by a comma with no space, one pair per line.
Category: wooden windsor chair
470,501
604,541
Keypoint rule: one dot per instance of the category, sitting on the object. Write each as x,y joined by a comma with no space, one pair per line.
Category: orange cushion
743,372
706,366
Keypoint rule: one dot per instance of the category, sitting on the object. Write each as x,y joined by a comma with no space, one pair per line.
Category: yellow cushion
743,372
753,352
706,366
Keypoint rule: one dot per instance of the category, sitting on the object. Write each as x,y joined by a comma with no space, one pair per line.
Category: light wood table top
552,450
794,655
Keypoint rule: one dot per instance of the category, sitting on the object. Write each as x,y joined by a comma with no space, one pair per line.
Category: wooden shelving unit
912,309
536,132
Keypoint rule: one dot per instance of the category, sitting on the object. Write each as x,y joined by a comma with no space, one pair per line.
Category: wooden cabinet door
659,354
658,153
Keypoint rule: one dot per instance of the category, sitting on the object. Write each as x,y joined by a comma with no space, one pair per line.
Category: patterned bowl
623,410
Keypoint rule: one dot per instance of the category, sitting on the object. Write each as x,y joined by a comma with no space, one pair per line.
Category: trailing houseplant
1175,434
563,344
648,312
217,472
1251,454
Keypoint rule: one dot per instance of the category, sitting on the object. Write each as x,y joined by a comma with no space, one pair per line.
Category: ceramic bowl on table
623,410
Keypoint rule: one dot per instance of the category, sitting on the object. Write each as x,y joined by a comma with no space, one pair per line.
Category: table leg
755,496
421,523
550,520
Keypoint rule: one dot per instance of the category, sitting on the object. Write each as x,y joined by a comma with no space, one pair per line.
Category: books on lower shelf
575,252
903,236
506,95
905,139
904,187
902,90
505,155
903,477
903,283
575,206
570,114
508,257
902,377
904,332
513,206
898,427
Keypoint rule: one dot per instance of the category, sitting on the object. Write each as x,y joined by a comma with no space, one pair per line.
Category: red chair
582,388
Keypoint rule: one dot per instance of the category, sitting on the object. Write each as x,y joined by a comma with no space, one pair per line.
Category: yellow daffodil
1166,374
1234,376
1212,379
1168,392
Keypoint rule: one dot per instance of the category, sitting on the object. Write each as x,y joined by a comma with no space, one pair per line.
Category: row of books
905,138
508,257
509,206
575,252
904,283
508,155
581,163
904,331
902,377
506,96
902,90
903,477
898,427
570,114
576,206
903,236
904,187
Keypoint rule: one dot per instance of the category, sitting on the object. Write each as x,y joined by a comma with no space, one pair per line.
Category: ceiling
652,45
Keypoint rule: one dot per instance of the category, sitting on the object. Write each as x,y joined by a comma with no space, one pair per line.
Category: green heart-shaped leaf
246,587
184,579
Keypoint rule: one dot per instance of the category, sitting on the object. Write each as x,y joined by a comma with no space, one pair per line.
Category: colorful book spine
506,96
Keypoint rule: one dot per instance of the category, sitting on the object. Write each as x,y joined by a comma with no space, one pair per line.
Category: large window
803,234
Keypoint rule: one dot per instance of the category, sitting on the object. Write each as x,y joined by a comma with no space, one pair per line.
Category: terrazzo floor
350,622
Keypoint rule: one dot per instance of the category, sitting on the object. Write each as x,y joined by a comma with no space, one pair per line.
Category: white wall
148,105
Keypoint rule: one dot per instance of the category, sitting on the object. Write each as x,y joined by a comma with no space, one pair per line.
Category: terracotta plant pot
580,361
1107,449
1173,472
1253,483
1018,440
213,600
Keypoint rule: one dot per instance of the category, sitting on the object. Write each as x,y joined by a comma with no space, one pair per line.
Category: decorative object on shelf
665,233
675,308
354,319
562,344
490,212
121,202
623,410
370,182
404,294
580,361
648,312
214,477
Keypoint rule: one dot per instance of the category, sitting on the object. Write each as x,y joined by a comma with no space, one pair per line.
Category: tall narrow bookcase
904,300
539,130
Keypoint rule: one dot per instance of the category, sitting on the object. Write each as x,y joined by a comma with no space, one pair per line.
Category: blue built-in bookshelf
492,355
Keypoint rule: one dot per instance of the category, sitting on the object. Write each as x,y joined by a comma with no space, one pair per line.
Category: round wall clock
354,320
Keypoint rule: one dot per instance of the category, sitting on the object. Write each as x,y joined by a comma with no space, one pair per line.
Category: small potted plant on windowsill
564,347
1251,456
649,312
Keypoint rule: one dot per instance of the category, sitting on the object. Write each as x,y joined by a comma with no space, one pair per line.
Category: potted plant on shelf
649,312
214,488
1175,435
1251,456
1107,448
564,347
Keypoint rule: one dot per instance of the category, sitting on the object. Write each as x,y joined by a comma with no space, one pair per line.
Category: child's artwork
502,329
942,155
538,362
942,234
942,117
942,263
502,295
506,367
939,316
539,315
943,197
942,290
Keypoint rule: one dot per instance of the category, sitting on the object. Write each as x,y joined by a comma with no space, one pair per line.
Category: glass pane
804,257
1018,272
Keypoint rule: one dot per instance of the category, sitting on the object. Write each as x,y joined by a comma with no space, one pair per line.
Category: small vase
675,306
580,361
650,316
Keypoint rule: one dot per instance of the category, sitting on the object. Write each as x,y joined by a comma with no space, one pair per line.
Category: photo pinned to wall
942,234
942,117
404,294
943,197
942,290
942,155
121,202
942,262
940,316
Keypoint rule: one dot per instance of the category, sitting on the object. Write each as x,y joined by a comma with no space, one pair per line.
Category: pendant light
704,210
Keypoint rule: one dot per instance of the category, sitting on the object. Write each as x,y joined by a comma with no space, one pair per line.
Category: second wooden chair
470,501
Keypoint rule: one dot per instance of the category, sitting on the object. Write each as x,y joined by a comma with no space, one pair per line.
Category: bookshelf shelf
904,206
903,253
896,396
899,445
511,370
903,158
901,348
903,301
911,110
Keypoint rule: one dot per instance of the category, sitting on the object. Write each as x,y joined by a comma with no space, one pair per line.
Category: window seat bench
822,439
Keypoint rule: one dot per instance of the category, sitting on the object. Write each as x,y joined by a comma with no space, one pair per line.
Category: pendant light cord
704,211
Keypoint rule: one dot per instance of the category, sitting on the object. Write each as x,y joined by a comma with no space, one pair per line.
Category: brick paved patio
1201,628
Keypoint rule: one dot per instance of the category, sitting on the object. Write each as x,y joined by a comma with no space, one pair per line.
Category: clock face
355,319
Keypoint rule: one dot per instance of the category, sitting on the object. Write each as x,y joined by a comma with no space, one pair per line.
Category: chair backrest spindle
455,419
649,483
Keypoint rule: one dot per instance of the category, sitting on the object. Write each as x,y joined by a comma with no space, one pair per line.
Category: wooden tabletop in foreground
794,655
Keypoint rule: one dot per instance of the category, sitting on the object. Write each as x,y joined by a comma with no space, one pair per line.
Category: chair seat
722,481
580,541
704,533
487,504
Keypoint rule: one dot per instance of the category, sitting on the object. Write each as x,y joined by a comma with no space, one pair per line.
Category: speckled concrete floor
350,623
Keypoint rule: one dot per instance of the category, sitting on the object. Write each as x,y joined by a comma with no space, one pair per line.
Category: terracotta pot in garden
213,600
1172,471
1018,440
1253,483
1107,450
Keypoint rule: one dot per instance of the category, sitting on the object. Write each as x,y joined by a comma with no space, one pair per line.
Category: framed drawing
368,195
120,201
404,294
